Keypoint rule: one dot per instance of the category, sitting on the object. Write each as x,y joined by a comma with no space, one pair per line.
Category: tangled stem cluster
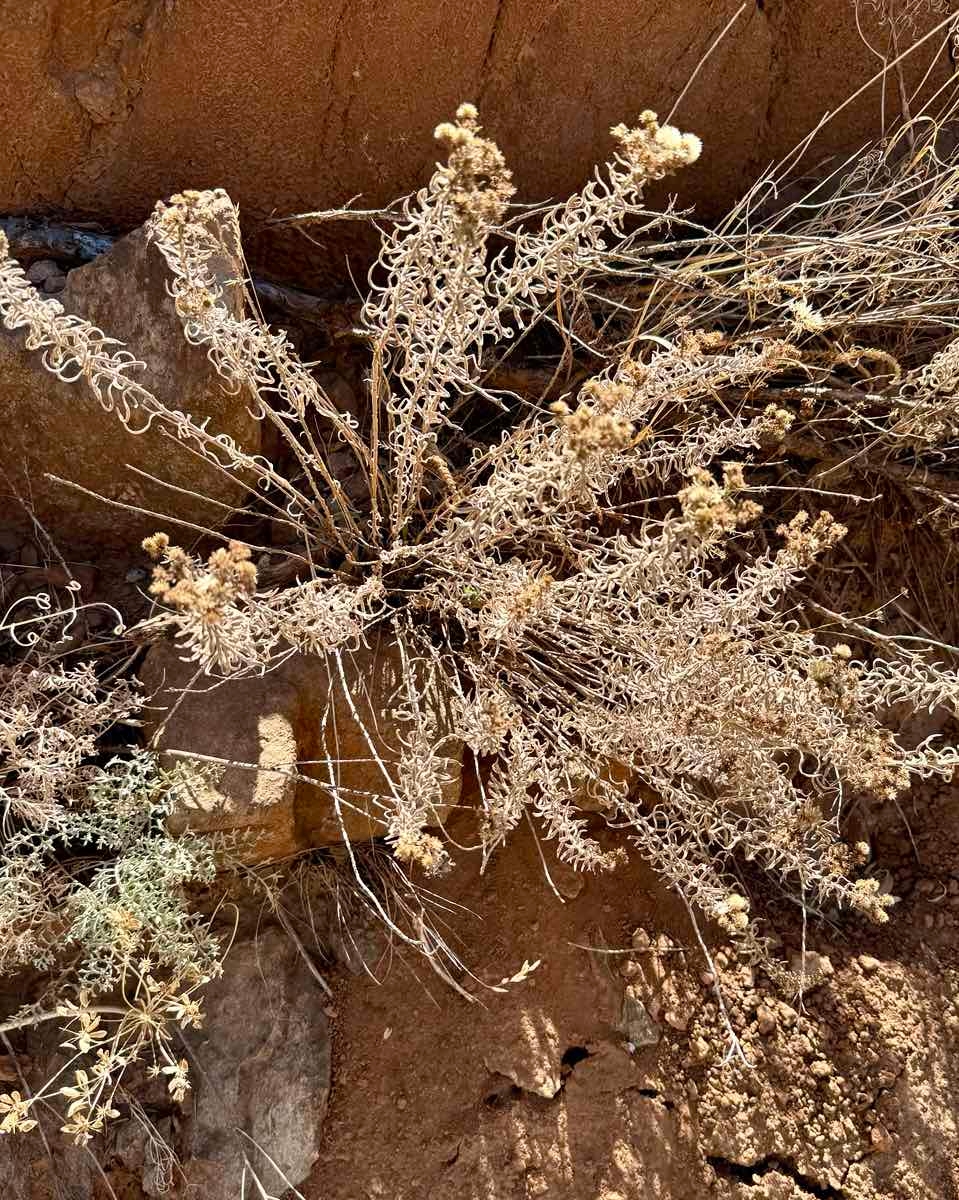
602,597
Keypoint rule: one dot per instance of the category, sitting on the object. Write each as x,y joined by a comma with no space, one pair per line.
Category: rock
96,93
676,1020
274,722
250,721
40,271
265,1069
26,1173
635,1023
766,1022
531,1059
640,940
53,285
880,1139
787,1014
869,964
47,426
261,1064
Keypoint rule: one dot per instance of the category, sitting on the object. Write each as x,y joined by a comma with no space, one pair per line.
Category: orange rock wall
293,105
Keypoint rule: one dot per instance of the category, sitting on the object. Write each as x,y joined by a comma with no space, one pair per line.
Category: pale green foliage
94,889
102,882
136,902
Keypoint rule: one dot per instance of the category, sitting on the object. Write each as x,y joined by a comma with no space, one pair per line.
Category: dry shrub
610,592
93,888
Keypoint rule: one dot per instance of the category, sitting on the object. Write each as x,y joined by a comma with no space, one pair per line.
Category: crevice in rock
502,1095
490,50
652,1094
750,1174
73,245
571,1056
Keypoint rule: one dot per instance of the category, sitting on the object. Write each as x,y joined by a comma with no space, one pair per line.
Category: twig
304,953
906,474
338,214
29,1020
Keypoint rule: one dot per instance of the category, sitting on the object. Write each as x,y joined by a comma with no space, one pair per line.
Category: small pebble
676,1020
40,271
880,1138
868,963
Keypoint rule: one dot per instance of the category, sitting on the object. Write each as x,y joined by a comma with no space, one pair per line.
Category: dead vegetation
631,602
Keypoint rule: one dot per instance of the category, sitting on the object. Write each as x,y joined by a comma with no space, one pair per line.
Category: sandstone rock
47,426
275,722
252,722
98,96
529,1054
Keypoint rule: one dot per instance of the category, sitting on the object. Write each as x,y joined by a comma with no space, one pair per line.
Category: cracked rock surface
115,104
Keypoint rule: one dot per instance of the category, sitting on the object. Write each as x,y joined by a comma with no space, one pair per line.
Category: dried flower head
475,180
711,509
206,598
594,426
653,150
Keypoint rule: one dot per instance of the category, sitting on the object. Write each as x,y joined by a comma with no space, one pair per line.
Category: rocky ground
606,1074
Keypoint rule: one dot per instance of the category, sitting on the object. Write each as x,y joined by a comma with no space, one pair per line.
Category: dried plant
611,591
94,891
109,1039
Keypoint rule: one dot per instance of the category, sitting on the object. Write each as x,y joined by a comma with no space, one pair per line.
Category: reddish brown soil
852,1091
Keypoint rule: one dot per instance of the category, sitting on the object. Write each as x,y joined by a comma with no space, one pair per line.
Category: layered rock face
304,758
304,106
